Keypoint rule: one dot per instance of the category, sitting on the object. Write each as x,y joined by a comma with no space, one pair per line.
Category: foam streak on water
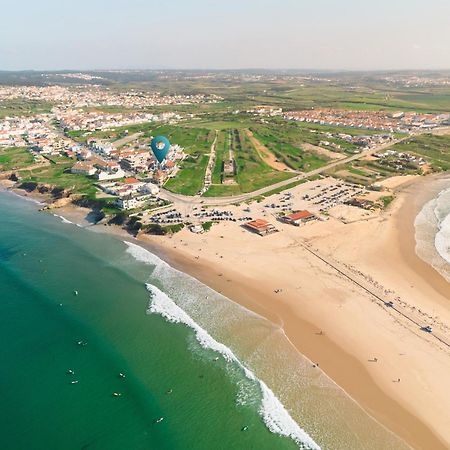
261,351
63,219
432,226
275,416
271,410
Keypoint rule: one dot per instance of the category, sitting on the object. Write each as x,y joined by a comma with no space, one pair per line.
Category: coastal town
225,225
91,95
109,169
223,259
111,150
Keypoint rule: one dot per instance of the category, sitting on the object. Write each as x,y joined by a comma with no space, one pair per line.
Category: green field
13,158
23,107
59,176
252,172
433,148
197,144
224,142
112,135
436,149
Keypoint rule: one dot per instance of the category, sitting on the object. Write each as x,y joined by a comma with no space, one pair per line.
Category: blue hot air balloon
160,146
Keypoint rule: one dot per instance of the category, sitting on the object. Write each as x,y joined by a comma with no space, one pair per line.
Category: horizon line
307,70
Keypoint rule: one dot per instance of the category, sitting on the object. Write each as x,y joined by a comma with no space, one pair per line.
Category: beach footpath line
384,301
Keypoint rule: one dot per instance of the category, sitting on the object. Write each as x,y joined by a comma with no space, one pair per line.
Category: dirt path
322,151
266,155
211,163
127,139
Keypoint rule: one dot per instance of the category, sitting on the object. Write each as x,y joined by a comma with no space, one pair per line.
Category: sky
227,34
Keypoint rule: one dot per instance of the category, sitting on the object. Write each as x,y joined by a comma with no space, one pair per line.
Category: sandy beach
325,284
327,275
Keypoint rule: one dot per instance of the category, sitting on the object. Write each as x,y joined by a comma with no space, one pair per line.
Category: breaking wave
272,411
275,416
432,226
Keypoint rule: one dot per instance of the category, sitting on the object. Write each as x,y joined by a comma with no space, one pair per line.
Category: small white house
82,168
101,176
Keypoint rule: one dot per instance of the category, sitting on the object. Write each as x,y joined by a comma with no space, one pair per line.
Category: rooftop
299,215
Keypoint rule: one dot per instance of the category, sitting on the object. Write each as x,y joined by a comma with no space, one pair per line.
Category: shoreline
348,371
408,243
256,294
337,363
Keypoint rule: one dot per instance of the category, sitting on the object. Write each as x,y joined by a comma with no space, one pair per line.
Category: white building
82,168
101,176
131,202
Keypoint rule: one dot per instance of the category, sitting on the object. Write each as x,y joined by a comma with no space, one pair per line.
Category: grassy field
291,155
197,145
252,172
346,91
23,107
59,175
362,95
112,135
436,149
13,158
224,141
284,138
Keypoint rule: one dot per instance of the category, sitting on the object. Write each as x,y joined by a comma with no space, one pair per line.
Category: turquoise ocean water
75,300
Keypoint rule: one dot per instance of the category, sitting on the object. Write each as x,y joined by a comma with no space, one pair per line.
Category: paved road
222,201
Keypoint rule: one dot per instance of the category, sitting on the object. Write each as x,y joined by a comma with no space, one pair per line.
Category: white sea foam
142,255
442,213
442,240
25,197
275,416
63,219
209,310
432,226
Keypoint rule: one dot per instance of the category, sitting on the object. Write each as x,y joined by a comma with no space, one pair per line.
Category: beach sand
328,274
324,272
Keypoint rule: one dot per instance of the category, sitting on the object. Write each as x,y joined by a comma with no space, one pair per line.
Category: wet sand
316,298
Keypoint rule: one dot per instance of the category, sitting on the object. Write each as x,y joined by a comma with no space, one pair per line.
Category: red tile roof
131,180
300,215
258,223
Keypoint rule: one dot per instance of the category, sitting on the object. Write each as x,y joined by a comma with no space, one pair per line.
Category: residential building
83,168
